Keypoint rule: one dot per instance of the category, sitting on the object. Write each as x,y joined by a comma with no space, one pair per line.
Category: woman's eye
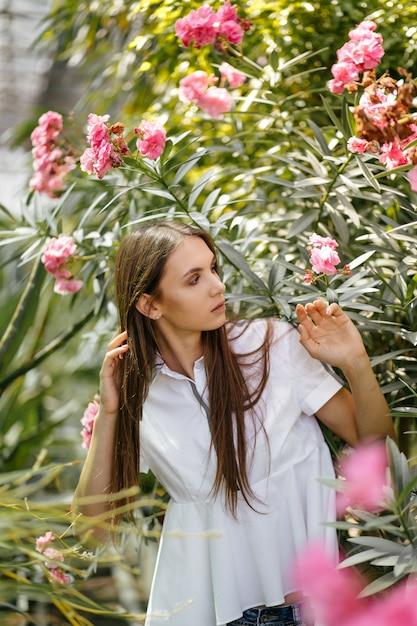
194,281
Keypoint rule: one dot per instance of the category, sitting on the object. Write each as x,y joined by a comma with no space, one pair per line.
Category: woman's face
191,292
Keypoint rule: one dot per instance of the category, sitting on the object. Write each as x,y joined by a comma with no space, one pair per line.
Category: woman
224,414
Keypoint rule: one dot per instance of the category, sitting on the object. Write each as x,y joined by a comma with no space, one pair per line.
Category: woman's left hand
329,335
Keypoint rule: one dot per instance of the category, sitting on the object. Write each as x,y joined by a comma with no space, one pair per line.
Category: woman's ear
147,306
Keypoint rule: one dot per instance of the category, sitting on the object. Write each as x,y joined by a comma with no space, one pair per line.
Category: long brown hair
139,268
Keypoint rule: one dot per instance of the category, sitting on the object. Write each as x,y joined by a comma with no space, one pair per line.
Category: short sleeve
313,382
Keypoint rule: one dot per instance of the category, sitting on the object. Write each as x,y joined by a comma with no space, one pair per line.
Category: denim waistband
286,612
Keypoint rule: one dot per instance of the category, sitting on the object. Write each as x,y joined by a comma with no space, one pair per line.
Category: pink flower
365,474
317,241
361,53
87,421
152,139
57,252
345,72
355,144
50,163
323,260
336,86
105,151
233,76
44,541
54,554
392,155
215,102
204,26
64,286
396,608
231,31
97,131
412,177
195,85
227,13
333,593
198,27
55,257
57,575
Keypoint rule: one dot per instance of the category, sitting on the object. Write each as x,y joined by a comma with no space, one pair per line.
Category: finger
302,317
118,340
316,311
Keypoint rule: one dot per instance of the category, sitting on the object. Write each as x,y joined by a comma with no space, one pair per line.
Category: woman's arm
97,470
329,335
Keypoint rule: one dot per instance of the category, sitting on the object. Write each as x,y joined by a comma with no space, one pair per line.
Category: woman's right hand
110,374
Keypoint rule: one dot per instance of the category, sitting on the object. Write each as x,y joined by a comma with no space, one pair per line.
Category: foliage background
262,180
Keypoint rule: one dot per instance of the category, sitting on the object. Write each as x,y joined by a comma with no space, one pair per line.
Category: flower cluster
87,421
333,595
385,123
361,54
323,258
56,573
205,26
199,87
50,161
365,479
106,146
56,256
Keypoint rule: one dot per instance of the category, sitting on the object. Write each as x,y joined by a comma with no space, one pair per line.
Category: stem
332,184
54,345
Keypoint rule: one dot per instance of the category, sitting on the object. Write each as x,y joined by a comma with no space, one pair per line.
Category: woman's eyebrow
198,269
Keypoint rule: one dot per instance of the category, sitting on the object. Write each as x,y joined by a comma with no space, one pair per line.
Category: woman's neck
180,354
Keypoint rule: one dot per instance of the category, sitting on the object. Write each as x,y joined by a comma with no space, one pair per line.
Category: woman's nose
218,285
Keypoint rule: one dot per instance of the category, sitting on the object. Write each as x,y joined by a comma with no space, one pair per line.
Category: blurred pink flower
412,177
215,102
50,163
152,139
365,471
195,85
87,421
395,608
205,27
43,542
332,593
64,286
233,76
355,144
198,27
55,257
57,575
232,31
57,252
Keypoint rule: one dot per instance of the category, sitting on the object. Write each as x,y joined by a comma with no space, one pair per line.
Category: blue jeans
287,615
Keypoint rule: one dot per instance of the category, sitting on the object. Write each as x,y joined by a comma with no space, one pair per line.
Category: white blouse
210,566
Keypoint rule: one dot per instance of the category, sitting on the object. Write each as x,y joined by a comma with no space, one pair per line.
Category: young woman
224,414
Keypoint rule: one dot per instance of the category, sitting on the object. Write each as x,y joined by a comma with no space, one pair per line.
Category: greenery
261,179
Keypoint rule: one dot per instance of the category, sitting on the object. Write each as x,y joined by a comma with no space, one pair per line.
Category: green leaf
198,187
185,168
238,260
23,317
